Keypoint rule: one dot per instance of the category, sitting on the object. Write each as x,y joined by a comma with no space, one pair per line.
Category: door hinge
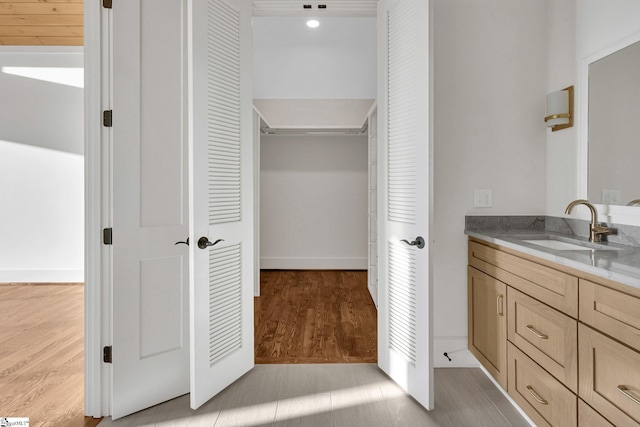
107,4
107,354
107,236
107,118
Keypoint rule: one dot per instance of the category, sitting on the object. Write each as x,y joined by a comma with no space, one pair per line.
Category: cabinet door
488,323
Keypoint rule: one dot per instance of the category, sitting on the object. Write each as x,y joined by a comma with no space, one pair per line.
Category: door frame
98,210
97,263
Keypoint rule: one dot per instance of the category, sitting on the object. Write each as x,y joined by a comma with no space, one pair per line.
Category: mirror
614,128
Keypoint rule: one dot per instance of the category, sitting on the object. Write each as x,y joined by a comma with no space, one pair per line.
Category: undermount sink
566,244
558,245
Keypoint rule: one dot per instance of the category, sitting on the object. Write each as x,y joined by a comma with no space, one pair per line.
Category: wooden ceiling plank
38,31
41,41
41,8
50,20
41,1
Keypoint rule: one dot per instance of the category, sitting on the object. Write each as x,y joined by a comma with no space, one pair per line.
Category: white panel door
404,216
150,205
221,195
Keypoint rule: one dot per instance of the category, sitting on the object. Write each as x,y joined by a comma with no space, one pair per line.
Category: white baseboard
304,263
456,349
41,276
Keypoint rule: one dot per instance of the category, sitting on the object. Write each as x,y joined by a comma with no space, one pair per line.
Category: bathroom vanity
556,321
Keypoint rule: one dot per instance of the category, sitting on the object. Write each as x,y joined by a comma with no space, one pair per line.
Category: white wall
597,25
490,66
334,61
313,202
562,146
41,165
314,189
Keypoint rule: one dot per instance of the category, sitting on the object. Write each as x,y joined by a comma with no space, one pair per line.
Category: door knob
204,242
419,242
182,243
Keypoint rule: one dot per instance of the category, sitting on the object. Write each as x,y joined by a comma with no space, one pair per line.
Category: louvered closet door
221,195
404,312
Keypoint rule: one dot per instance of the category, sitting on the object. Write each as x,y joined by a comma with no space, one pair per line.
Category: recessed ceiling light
313,23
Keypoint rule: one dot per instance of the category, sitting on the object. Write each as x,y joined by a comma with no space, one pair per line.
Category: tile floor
336,395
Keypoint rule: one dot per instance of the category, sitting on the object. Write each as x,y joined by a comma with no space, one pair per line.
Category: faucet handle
597,231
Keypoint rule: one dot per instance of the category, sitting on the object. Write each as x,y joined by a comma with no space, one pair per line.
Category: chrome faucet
595,230
635,202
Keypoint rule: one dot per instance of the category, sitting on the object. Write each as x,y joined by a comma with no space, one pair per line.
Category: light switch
482,199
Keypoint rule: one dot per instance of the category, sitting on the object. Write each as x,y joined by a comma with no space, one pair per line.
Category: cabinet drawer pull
536,333
499,304
625,391
540,400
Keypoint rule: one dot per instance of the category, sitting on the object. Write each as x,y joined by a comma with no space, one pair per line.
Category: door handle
419,242
204,242
182,243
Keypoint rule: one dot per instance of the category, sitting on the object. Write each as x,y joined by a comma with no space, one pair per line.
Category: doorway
314,88
95,272
41,250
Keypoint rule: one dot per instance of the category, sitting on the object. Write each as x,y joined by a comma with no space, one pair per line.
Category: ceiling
337,60
362,8
322,78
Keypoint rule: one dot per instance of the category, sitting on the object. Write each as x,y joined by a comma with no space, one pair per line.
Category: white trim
431,226
95,316
41,276
42,49
374,107
106,201
256,201
318,263
257,111
609,213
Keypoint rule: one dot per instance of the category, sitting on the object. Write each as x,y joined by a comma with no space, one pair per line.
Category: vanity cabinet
572,342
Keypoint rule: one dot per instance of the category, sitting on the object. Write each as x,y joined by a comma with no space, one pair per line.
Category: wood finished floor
315,317
336,395
42,354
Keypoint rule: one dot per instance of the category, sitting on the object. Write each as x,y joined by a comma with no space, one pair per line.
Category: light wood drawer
587,417
545,400
553,287
609,377
547,336
613,312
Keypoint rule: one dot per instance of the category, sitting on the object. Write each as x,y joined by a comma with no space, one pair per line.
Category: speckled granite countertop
615,261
